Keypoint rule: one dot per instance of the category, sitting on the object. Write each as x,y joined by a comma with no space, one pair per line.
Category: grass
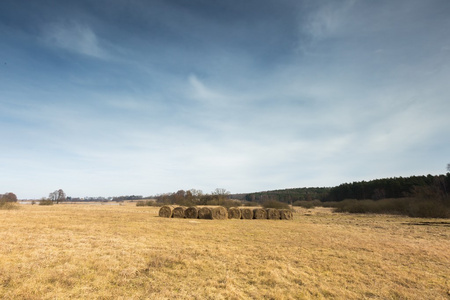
127,252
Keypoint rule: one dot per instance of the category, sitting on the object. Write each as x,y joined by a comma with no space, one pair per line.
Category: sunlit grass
105,252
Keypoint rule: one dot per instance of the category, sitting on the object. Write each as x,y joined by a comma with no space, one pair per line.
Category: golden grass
128,252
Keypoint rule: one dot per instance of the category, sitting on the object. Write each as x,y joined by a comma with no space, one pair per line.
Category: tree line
219,196
396,187
289,195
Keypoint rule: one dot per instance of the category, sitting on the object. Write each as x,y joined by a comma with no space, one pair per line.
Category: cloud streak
74,37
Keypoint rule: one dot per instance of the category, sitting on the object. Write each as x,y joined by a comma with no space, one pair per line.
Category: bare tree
220,194
57,196
448,167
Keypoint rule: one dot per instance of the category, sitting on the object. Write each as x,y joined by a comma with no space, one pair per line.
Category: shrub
275,204
46,202
413,207
147,203
224,202
428,209
307,204
8,205
250,203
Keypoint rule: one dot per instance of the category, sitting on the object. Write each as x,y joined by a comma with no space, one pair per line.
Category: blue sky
109,98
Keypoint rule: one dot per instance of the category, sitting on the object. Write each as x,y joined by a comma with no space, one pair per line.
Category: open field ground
127,252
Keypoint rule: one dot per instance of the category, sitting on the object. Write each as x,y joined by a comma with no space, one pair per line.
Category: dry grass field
127,252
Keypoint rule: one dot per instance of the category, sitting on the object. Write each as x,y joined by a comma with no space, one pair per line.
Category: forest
396,187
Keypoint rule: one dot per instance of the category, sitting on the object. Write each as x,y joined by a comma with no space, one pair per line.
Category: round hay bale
246,213
178,212
205,213
259,213
286,214
191,212
219,213
166,211
273,214
234,213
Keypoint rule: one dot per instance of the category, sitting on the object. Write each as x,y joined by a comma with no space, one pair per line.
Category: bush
428,209
275,204
227,203
307,204
4,205
147,203
250,203
413,207
46,202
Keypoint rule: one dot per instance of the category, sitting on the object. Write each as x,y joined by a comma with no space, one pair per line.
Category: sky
143,97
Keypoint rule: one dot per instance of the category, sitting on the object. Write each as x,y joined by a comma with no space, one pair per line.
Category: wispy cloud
73,36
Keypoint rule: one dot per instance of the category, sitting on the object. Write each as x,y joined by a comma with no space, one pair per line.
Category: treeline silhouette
396,187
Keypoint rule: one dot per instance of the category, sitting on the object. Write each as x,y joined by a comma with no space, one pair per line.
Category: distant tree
448,167
221,193
57,196
8,197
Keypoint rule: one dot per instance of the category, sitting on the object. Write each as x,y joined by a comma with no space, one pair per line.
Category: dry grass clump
234,213
286,214
273,214
205,213
191,212
166,211
219,213
259,213
8,205
246,213
178,212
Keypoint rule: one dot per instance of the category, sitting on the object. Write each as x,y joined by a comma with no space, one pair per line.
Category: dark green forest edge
415,196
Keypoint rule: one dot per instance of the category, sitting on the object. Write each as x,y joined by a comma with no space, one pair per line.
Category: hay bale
273,214
166,211
286,214
246,213
178,212
219,213
234,213
191,212
205,213
259,213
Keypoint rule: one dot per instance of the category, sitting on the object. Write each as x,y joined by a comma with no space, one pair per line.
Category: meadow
128,252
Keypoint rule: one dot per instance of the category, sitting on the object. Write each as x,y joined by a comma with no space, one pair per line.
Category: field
127,252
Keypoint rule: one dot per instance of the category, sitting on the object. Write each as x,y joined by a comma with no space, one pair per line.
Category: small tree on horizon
57,196
8,197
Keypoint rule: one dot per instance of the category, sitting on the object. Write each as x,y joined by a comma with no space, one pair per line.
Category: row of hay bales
221,213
